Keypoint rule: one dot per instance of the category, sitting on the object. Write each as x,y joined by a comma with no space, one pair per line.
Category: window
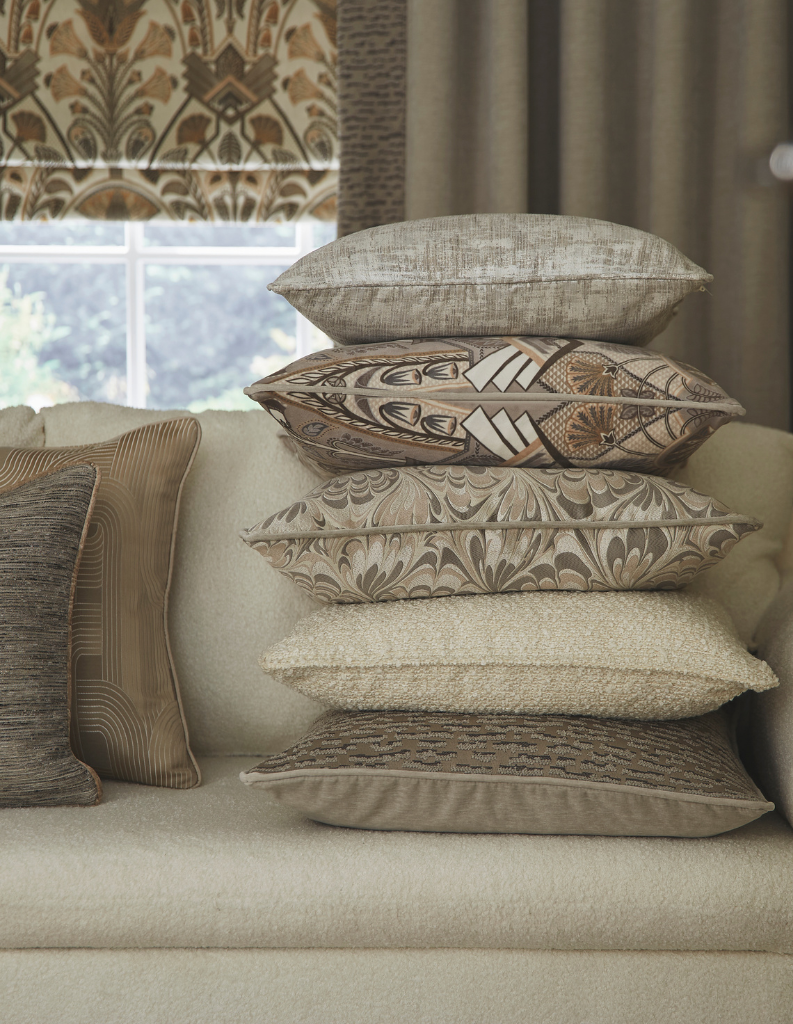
160,315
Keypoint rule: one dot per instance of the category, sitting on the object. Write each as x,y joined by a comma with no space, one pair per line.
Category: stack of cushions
86,555
508,462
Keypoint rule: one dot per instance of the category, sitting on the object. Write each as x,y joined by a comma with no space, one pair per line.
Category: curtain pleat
467,107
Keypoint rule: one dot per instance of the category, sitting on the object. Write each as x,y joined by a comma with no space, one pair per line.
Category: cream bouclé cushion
492,273
433,531
622,655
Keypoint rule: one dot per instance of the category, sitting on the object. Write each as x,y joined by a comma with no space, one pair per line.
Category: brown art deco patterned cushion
127,720
506,401
636,655
43,525
492,273
559,774
389,534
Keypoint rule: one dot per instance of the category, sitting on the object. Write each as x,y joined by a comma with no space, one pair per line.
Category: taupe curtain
656,113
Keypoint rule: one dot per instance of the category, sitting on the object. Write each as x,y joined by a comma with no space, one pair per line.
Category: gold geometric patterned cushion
127,720
495,401
449,772
388,534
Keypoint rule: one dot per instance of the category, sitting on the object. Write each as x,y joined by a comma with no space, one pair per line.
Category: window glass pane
219,234
210,332
65,232
62,333
324,232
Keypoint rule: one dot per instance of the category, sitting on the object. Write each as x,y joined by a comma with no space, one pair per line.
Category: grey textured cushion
622,655
433,531
558,775
42,531
496,273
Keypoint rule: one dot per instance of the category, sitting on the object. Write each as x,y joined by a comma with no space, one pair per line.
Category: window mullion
136,317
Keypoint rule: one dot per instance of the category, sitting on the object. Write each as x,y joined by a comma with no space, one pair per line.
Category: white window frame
134,255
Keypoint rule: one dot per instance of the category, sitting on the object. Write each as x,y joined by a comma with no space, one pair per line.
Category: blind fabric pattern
135,109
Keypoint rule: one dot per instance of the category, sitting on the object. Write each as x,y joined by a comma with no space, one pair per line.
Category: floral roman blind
204,110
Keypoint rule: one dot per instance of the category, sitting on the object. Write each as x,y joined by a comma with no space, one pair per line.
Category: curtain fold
660,114
467,107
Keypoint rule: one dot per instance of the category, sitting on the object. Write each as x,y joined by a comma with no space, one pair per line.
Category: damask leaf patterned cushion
558,775
492,273
432,531
613,655
500,401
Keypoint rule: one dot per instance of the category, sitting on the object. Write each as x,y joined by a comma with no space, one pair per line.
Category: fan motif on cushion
518,401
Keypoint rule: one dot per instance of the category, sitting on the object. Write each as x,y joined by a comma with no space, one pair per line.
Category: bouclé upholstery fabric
655,655
750,469
446,986
221,865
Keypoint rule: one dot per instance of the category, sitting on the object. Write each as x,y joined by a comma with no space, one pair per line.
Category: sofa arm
772,713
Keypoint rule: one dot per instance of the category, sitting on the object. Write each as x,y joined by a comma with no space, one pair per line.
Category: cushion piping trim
250,778
513,524
489,284
485,397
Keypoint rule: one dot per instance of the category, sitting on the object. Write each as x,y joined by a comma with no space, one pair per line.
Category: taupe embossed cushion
127,720
624,655
496,273
42,531
389,534
512,773
514,401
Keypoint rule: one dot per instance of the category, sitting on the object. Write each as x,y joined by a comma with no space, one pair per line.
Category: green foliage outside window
27,377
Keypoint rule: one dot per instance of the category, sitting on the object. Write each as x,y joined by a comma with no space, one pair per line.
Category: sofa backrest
227,604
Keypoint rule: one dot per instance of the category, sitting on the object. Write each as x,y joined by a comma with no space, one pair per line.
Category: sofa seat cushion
222,866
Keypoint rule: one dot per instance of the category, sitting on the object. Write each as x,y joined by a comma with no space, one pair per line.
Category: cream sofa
214,906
